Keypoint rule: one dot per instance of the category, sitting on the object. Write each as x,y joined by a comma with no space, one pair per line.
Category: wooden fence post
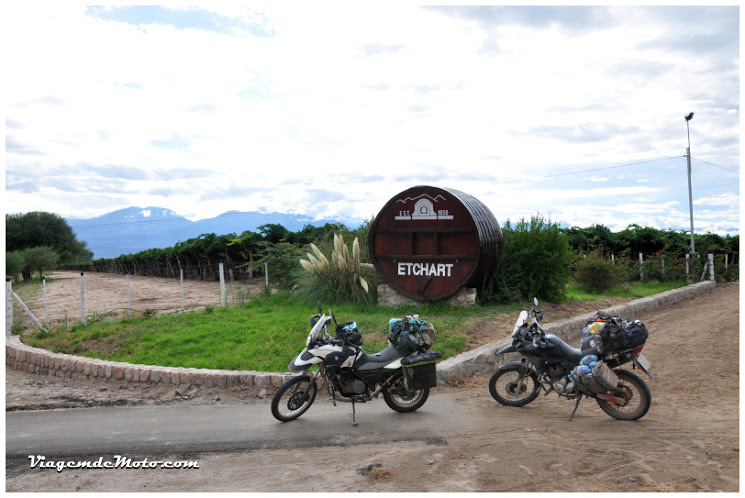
8,307
181,272
266,273
82,297
223,299
688,263
613,258
129,299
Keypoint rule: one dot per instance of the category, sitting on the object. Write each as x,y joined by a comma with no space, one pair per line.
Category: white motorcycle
353,376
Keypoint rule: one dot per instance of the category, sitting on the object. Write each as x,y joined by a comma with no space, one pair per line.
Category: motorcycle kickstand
354,421
579,398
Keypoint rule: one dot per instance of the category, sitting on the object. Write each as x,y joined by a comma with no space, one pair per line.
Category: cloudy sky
329,110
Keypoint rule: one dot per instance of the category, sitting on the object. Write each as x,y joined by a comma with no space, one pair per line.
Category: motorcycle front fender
303,361
513,365
508,349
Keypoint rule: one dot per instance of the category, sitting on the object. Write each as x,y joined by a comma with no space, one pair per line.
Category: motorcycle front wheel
403,401
634,397
503,387
291,400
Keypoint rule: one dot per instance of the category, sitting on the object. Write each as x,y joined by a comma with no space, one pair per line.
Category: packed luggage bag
608,333
411,334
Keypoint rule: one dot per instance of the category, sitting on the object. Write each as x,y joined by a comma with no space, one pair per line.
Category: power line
611,167
716,165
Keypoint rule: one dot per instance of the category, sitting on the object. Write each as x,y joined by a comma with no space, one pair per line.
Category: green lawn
267,332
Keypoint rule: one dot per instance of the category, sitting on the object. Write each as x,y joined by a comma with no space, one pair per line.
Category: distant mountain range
136,229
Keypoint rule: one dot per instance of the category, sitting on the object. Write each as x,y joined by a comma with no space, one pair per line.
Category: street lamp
690,193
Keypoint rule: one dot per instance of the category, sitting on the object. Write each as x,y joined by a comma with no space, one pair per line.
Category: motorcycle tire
402,401
631,386
505,393
290,401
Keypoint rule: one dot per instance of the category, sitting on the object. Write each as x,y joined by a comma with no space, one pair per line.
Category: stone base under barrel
387,296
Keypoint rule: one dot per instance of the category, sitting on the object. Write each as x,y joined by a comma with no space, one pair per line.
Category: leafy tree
282,262
274,233
39,228
641,239
40,259
247,245
14,264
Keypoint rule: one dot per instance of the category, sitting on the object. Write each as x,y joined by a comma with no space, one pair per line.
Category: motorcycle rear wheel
637,392
290,401
402,401
503,387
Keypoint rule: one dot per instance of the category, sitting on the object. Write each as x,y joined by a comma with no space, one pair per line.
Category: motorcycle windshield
313,335
521,319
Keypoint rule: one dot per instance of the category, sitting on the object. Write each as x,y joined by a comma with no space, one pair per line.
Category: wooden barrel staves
428,242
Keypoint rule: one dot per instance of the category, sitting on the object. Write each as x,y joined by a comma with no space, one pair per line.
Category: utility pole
690,192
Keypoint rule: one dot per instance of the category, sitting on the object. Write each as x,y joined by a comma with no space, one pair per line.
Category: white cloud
330,97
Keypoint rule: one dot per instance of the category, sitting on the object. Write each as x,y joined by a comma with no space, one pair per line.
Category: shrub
597,273
40,259
534,261
281,259
14,264
346,279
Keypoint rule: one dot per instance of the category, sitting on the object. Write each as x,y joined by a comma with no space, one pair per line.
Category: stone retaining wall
42,362
482,358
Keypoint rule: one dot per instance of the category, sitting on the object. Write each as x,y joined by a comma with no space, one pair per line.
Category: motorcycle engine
349,383
555,372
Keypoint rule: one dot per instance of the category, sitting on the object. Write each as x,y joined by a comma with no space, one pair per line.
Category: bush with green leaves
14,264
597,273
281,260
344,279
40,259
534,261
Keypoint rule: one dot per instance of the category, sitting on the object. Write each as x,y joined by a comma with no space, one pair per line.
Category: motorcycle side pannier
598,379
421,369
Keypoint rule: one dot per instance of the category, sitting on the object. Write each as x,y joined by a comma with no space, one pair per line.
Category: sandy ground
106,294
688,441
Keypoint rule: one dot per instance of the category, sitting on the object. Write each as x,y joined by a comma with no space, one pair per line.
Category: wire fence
116,298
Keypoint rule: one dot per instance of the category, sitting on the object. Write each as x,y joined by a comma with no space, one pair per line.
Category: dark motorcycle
353,376
550,364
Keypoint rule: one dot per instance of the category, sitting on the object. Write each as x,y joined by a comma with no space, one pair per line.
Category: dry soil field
688,441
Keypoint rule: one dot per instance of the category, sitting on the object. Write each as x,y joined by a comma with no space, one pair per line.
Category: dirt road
689,440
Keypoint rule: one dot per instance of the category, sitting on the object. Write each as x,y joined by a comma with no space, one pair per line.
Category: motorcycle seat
572,354
377,360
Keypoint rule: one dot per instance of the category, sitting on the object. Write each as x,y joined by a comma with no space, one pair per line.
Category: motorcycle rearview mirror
320,310
333,317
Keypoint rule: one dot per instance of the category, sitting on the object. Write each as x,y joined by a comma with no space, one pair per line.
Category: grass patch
268,331
634,290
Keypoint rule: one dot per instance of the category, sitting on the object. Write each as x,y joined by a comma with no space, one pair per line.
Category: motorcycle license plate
643,362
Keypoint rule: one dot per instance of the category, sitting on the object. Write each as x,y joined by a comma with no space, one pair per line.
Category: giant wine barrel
428,242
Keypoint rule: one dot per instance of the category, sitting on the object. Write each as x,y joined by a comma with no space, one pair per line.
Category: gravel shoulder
689,440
